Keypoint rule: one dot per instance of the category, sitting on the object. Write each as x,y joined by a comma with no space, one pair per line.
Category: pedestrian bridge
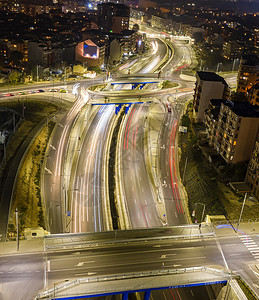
135,282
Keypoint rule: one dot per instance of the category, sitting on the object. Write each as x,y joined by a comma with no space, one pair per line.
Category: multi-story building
252,175
211,119
161,23
232,131
91,52
113,17
253,94
129,39
248,73
232,49
208,86
41,53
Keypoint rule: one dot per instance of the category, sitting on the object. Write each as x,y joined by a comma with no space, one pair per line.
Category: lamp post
241,210
218,66
234,62
17,228
203,211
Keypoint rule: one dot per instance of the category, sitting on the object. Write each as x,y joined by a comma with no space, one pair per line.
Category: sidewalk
25,246
249,228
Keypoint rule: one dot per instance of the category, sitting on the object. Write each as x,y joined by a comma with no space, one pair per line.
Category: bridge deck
136,282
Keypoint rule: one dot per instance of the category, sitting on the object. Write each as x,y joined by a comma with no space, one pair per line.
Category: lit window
235,142
231,157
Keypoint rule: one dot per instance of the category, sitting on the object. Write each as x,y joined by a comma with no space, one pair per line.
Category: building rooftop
210,76
250,60
243,109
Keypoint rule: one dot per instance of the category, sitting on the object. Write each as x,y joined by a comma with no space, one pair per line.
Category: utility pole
17,228
241,211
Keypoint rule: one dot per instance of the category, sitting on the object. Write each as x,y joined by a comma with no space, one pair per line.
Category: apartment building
253,94
252,175
233,130
211,119
161,23
208,86
248,72
113,17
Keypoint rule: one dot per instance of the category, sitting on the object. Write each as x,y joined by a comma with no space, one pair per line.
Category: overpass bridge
120,262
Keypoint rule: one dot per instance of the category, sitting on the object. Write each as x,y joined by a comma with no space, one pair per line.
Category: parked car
63,91
41,91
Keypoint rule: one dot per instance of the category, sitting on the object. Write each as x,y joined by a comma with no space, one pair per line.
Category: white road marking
84,262
83,274
163,256
234,254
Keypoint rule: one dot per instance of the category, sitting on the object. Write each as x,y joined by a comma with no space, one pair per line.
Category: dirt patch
26,195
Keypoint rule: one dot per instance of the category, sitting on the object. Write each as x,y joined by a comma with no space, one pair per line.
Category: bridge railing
220,274
235,221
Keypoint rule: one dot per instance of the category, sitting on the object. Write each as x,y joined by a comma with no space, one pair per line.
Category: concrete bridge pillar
125,296
147,295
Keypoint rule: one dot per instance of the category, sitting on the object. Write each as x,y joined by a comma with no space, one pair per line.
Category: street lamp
193,213
218,66
241,210
234,62
17,228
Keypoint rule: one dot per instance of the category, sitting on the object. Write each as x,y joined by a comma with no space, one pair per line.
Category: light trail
170,164
60,151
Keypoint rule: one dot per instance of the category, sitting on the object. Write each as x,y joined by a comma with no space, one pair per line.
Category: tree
14,77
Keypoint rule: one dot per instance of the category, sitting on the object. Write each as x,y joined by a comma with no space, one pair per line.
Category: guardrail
194,280
98,243
235,221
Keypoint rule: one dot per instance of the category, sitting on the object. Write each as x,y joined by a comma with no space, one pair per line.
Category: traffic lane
171,197
18,272
142,208
82,202
150,65
153,258
87,203
54,192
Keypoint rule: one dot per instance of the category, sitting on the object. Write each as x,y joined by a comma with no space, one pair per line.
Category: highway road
54,175
87,194
87,201
140,196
